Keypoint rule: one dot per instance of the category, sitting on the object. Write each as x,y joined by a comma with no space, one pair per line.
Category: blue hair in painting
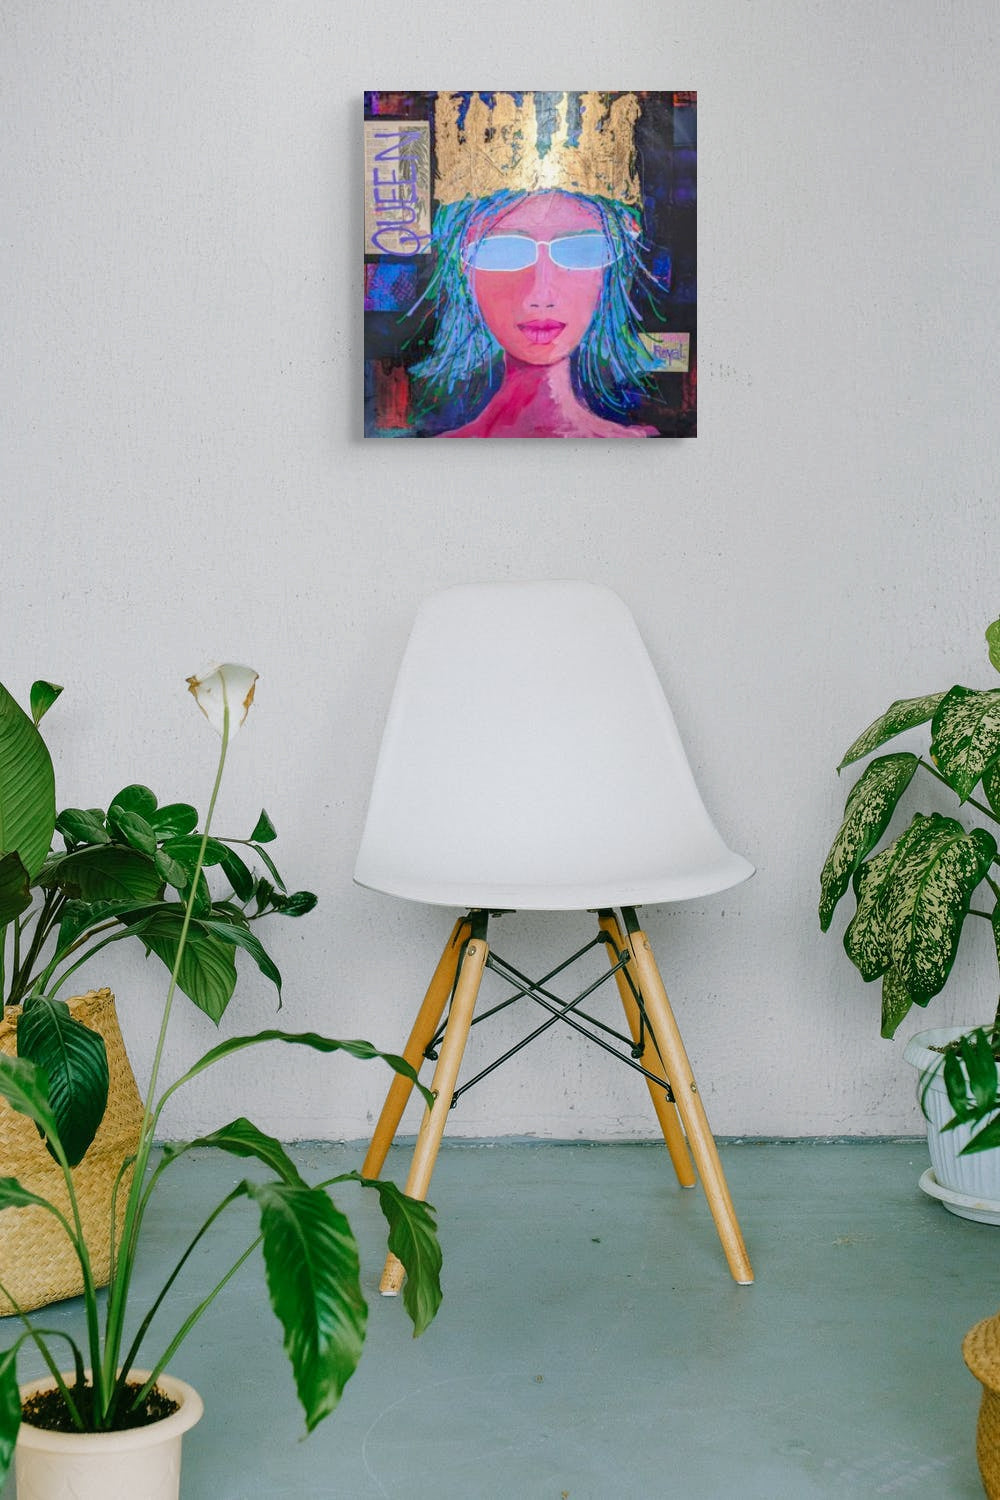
464,363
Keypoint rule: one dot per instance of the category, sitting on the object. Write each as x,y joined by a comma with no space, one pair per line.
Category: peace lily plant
914,895
310,1255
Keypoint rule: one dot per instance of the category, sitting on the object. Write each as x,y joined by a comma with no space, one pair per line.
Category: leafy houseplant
913,896
123,873
310,1256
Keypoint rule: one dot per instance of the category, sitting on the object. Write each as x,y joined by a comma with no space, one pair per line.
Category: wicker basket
981,1349
37,1261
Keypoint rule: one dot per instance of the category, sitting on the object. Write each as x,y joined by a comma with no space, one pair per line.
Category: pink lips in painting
542,330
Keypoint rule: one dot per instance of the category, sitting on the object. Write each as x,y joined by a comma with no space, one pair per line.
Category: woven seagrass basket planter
981,1349
37,1263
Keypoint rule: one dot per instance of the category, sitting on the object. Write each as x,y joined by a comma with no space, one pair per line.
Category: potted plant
115,1392
914,895
114,874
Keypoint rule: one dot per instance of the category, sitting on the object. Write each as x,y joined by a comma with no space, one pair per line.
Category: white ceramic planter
967,1185
145,1461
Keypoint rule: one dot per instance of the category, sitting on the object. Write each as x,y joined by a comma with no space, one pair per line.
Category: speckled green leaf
905,713
896,1002
991,786
965,737
868,939
928,900
869,808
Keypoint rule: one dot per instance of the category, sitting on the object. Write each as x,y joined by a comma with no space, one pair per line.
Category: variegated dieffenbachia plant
913,895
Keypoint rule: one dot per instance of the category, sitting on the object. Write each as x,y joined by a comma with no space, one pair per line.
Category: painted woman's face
536,273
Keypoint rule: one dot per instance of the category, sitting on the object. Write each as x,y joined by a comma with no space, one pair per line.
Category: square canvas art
530,264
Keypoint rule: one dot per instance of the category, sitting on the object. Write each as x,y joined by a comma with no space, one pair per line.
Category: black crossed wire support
567,1011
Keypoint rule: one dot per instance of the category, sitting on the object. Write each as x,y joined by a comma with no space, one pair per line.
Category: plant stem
118,1300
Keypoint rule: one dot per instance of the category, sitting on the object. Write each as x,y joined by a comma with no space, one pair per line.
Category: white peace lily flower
229,686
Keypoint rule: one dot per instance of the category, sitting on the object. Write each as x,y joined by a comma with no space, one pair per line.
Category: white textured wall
183,482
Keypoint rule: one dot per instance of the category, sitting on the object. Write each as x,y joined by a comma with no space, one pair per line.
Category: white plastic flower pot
967,1185
144,1461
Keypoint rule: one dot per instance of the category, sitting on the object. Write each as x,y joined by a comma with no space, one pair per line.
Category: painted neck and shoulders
539,401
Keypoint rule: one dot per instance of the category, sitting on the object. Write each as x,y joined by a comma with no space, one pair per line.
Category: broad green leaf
965,737
133,830
264,830
10,1409
867,939
237,873
172,871
242,1138
313,1278
993,641
43,695
413,1240
136,798
240,937
207,973
74,1059
297,904
26,1090
187,848
869,808
174,820
27,788
928,897
896,1002
111,873
83,825
15,888
905,713
362,1050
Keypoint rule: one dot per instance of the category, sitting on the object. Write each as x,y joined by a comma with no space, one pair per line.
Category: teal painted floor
592,1346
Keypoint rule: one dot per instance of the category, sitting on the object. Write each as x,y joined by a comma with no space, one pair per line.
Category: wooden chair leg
690,1107
473,961
424,1027
666,1112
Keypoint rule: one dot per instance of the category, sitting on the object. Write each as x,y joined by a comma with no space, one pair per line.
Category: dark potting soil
47,1409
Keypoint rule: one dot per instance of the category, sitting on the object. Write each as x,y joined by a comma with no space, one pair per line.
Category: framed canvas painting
530,264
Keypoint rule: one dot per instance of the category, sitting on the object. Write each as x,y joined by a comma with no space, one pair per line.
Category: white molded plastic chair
530,761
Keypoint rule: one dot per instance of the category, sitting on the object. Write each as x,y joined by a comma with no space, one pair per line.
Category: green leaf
111,873
27,788
175,820
14,1195
26,1090
264,830
987,1139
313,1278
896,1002
413,1240
137,799
15,888
133,830
242,1138
362,1050
237,873
965,737
172,871
75,1061
240,937
297,904
991,786
43,695
993,641
207,973
10,1409
869,808
905,713
927,899
867,939
80,825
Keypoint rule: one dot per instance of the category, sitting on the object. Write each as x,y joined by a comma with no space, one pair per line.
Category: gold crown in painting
496,147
